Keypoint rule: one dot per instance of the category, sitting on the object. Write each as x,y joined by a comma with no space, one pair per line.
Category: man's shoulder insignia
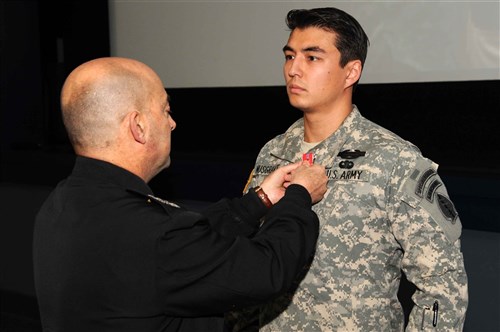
163,201
425,188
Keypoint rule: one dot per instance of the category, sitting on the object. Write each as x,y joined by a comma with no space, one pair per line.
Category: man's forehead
310,40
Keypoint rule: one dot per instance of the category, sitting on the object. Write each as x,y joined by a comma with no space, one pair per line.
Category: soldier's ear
353,72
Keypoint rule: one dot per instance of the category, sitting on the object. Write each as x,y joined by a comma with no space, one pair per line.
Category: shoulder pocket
425,189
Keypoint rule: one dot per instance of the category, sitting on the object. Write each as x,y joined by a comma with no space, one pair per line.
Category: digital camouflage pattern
386,209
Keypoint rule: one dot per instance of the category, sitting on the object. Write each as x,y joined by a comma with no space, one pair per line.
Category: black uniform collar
100,171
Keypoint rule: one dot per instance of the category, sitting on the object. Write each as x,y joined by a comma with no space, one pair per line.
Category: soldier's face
312,71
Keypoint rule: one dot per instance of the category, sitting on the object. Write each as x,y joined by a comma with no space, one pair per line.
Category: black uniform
109,256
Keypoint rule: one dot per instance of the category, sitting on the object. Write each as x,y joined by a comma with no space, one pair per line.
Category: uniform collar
332,144
101,172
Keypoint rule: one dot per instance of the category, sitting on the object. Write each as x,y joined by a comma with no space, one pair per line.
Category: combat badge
349,154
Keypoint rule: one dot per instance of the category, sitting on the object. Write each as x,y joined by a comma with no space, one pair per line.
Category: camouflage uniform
384,211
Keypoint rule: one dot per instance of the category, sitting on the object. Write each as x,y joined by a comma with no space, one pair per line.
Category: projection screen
239,43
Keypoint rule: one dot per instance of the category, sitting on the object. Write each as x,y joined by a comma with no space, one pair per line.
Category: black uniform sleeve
238,216
201,272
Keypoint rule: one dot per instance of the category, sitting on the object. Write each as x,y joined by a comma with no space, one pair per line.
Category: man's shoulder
383,138
295,129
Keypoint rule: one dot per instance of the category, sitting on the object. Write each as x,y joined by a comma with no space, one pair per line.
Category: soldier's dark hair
351,40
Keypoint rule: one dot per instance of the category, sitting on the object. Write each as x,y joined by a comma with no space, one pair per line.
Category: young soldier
386,209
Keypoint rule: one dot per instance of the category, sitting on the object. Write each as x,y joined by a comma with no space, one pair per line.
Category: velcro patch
447,208
341,174
264,169
425,188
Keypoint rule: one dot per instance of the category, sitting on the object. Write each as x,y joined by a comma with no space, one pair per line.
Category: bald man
110,256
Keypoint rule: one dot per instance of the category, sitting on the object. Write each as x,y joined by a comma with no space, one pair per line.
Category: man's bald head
98,94
117,110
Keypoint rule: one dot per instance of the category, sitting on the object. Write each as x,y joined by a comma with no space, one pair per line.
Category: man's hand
312,177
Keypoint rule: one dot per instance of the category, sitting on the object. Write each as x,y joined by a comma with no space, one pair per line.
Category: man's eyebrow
314,49
307,49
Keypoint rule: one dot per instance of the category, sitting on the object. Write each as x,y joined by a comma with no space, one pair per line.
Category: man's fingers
290,167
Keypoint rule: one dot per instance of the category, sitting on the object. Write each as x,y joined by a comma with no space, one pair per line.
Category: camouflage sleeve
428,227
250,182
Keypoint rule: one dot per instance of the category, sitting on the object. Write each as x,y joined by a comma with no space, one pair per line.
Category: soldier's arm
428,227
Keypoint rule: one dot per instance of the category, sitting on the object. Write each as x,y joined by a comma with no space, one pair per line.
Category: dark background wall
219,133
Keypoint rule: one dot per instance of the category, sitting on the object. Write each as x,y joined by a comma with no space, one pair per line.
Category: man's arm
428,228
242,216
201,272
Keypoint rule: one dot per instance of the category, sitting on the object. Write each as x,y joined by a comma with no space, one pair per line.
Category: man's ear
354,69
137,126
